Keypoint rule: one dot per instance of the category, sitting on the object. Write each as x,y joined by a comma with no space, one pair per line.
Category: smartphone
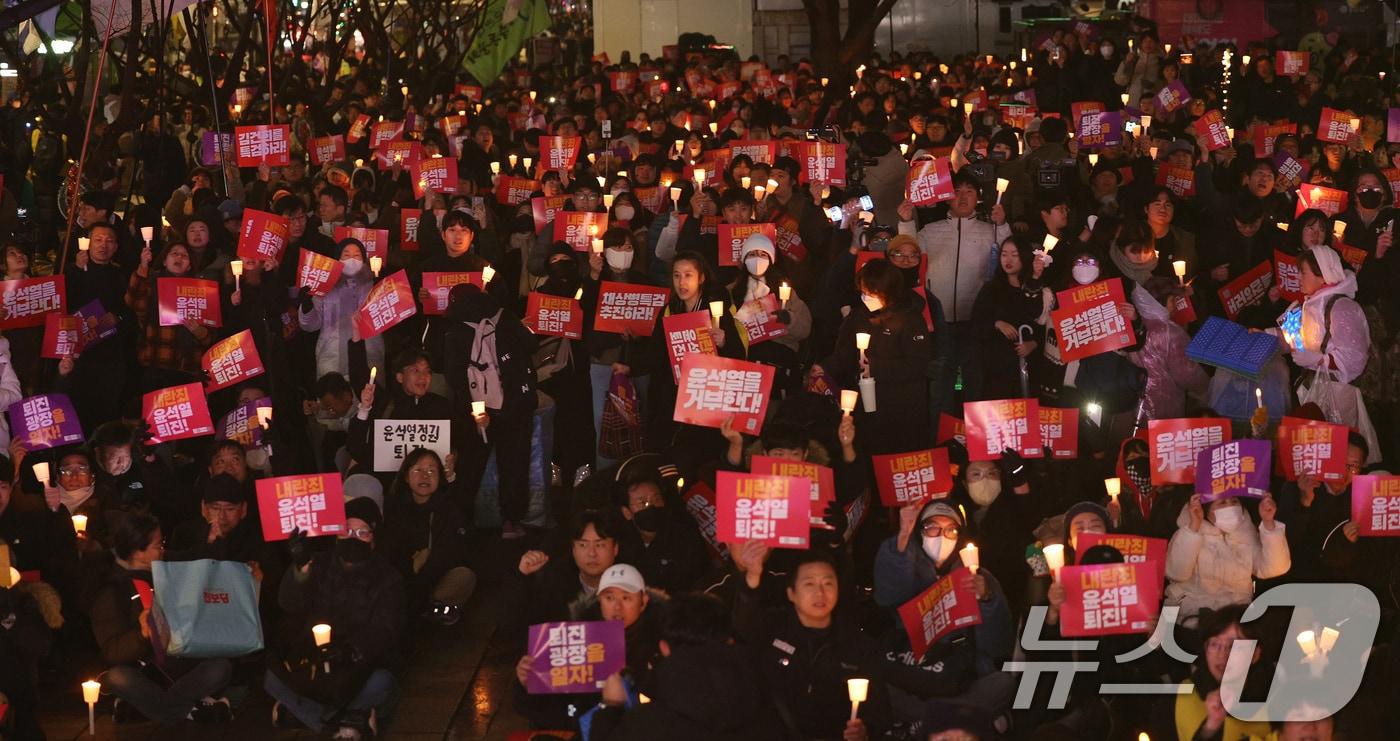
834,213
867,203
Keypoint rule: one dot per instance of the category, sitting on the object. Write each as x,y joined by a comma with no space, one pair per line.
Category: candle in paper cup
148,233
478,408
375,264
1049,243
578,295
607,199
772,185
264,416
496,168
680,144
41,473
699,176
80,523
970,557
597,245
825,80
601,181
744,182
1054,558
758,192
862,341
1307,640
675,194
1114,486
512,159
1258,397
1339,229
904,148
83,244
532,95
857,689
784,293
1179,267
359,163
1146,122
716,310
592,158
1002,183
92,689
527,162
848,400
1328,639
1152,152
236,267
1229,133
487,273
321,633
714,128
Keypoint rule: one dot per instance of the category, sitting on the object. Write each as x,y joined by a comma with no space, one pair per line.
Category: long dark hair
400,494
1027,255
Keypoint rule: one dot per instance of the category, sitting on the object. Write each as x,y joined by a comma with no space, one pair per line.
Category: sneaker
212,710
444,614
348,733
282,717
510,530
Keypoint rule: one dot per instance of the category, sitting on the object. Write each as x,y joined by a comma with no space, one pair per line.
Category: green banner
508,24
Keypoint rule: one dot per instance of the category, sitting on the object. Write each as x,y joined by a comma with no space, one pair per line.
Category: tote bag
210,608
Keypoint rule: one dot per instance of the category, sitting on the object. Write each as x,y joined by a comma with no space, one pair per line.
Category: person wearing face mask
761,275
562,369
425,538
1215,557
612,353
1171,375
1143,508
965,664
333,314
1370,218
352,588
735,206
1001,515
663,543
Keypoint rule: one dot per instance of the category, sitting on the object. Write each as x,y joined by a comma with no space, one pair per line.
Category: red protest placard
822,477
558,316
1213,132
436,173
1089,322
193,298
759,151
547,209
376,241
994,426
578,228
383,132
687,334
177,412
929,182
1353,256
513,191
558,152
713,389
263,236
470,92
732,236
63,335
388,303
622,81
1290,281
439,285
263,143
1327,200
1174,444
397,153
824,162
906,478
949,605
1247,289
317,272
1135,548
758,320
1109,598
631,306
1375,504
773,509
358,128
1182,311
1392,176
1306,447
790,239
1059,431
231,360
1266,134
312,502
28,300
327,149
1181,181
1291,63
700,503
1335,126
652,199
409,218
950,428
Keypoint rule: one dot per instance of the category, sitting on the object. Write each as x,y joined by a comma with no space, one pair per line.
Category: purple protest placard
1392,129
213,147
95,323
1239,468
45,421
242,424
574,657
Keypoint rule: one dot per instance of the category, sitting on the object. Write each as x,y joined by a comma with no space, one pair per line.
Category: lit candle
512,159
952,102
784,293
825,80
1259,397
716,311
1146,122
680,145
532,95
597,243
592,158
772,185
967,109
1093,159
601,181
904,148
404,90
1054,558
857,689
92,689
680,483
862,341
1114,486
83,243
1230,133
1179,267
970,557
41,473
744,182
321,633
496,168
1339,229
478,408
848,400
578,295
265,417
758,192
1049,243
236,267
148,233
1152,152
359,163
607,199
527,161
1307,640
714,128
1328,639
699,177
375,263
487,273
676,196
80,523
1002,185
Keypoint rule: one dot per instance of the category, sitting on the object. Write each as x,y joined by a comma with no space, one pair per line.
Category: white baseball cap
625,577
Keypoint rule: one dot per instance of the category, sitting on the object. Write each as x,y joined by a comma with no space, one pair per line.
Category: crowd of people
568,448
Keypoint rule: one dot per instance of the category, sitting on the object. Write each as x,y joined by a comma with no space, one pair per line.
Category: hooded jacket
1170,374
515,350
1334,332
1209,568
333,315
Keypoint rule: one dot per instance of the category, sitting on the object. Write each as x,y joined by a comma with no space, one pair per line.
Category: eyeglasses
933,530
77,470
902,255
429,472
360,533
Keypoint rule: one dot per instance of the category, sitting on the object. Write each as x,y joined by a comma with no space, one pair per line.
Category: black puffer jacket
365,603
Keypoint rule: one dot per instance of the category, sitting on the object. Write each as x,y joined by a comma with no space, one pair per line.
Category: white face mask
757,265
618,260
984,491
1229,519
939,548
872,303
1085,274
625,213
352,266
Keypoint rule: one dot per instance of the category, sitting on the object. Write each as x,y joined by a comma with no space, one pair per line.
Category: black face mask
650,519
352,550
1370,198
911,276
1139,470
564,269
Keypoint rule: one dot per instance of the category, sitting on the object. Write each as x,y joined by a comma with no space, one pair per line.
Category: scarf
757,289
483,374
1135,273
74,499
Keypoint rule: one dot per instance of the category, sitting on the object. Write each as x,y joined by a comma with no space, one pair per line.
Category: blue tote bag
207,608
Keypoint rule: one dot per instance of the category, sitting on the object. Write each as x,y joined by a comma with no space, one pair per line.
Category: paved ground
458,685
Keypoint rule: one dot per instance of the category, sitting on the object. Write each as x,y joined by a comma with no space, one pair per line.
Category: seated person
663,542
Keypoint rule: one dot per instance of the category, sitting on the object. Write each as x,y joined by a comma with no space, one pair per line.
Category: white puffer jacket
1209,569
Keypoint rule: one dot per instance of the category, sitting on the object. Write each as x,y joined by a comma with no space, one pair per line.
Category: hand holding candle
80,523
848,400
41,473
1179,267
1114,487
970,557
376,263
1054,559
236,267
857,689
784,293
321,633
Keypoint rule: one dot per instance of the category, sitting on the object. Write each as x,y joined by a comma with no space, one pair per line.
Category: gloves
1013,470
304,297
299,548
783,316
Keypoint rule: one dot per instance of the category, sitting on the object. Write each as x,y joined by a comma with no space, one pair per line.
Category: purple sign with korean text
45,421
574,657
95,322
1239,468
1392,129
213,146
242,424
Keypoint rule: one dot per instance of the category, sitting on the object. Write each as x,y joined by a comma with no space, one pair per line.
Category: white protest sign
394,439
